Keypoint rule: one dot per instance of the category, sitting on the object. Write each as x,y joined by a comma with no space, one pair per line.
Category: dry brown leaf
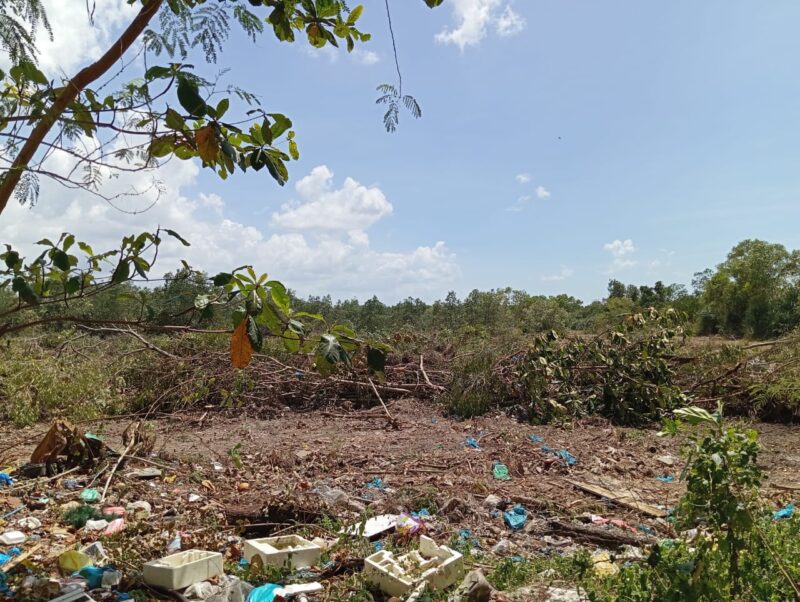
207,144
241,349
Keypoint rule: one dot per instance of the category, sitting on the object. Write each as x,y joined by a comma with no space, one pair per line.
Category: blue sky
561,144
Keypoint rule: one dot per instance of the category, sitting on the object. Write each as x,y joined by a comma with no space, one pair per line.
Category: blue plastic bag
5,480
376,483
785,512
567,457
472,442
667,478
264,593
516,517
536,438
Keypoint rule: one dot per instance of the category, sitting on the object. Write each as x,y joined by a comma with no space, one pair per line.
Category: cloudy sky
561,144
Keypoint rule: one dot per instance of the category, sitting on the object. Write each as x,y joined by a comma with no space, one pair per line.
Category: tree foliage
168,110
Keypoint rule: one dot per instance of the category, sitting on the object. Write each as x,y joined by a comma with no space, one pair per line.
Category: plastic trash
265,593
785,512
193,497
602,564
93,576
73,561
491,501
500,471
90,495
111,577
331,495
566,456
115,526
376,483
5,480
174,545
29,522
96,525
409,525
96,552
421,513
140,509
12,538
536,438
502,547
472,442
516,517
667,478
465,538
71,484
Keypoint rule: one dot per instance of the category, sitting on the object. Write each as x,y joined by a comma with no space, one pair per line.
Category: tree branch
76,85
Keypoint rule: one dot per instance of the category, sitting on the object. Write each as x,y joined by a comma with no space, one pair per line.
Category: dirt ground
267,471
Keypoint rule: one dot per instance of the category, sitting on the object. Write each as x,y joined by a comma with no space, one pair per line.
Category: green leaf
122,273
238,315
270,319
158,72
25,291
222,107
189,97
69,240
695,416
291,340
254,334
60,260
354,15
222,279
174,120
11,259
296,327
376,361
174,234
72,285
279,294
330,348
282,123
293,151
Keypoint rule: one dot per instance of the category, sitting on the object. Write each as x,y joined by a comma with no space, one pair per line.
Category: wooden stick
425,374
114,470
378,395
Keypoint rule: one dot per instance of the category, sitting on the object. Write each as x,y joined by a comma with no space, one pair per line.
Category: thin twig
114,470
378,395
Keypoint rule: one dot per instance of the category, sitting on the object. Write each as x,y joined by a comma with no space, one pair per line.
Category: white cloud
542,192
621,250
351,207
523,178
509,23
562,274
365,57
521,203
75,38
315,260
475,17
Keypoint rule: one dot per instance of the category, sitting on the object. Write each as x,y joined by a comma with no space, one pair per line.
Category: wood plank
622,497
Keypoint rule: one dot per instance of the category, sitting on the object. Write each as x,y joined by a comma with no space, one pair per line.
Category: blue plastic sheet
472,442
264,593
785,512
667,478
536,438
567,457
376,483
5,480
516,517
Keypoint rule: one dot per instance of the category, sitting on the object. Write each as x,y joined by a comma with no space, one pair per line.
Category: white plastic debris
96,525
286,550
438,566
13,538
29,522
183,569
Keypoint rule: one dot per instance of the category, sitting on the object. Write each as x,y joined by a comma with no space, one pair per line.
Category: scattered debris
785,512
500,471
285,551
625,498
181,570
437,566
516,517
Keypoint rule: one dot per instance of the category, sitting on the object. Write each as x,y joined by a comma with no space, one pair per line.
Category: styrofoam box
439,566
182,569
284,550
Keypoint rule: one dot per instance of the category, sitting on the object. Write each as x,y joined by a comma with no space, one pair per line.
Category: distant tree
754,291
616,289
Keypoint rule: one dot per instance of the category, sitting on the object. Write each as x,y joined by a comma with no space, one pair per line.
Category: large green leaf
189,97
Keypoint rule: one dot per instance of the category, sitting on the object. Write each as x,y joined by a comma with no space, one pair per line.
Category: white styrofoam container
182,569
291,550
438,566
